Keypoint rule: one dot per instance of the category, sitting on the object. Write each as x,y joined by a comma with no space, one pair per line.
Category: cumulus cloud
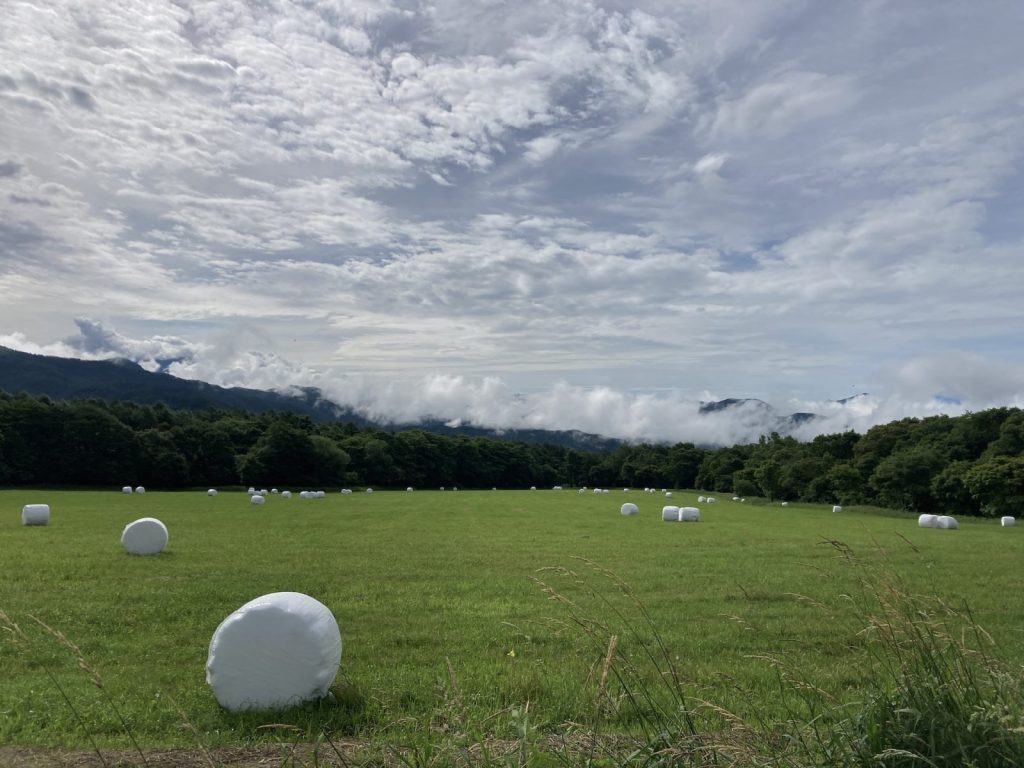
768,200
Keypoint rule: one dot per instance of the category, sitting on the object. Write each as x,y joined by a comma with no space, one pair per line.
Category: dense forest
969,465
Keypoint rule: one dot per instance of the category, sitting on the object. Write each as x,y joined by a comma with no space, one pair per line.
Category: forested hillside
968,465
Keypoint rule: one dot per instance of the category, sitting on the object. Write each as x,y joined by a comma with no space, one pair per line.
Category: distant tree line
969,465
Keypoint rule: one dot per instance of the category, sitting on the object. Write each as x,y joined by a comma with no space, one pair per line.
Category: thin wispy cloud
790,201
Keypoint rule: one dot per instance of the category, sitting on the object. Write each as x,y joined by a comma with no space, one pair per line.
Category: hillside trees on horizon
965,465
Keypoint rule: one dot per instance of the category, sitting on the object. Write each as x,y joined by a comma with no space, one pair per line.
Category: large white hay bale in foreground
837,508
670,514
1006,520
257,499
629,508
927,521
212,492
275,651
140,489
145,536
947,522
35,514
126,489
689,515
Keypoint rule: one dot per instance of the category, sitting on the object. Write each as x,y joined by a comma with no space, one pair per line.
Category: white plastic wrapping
927,521
1006,520
35,514
947,522
689,515
140,489
629,508
837,508
275,651
212,492
257,499
126,489
145,536
670,514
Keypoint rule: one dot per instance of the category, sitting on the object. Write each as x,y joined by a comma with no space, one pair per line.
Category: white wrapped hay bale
837,508
126,489
701,499
275,651
784,504
409,489
251,490
689,515
212,492
257,499
668,494
629,508
370,490
1006,521
305,494
533,487
947,522
145,536
140,489
735,498
581,490
35,514
286,494
320,494
927,521
273,490
711,500
670,514
346,491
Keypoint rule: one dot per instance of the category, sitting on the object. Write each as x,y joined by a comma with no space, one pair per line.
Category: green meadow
460,609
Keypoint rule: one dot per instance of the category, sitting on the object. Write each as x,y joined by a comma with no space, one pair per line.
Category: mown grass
443,600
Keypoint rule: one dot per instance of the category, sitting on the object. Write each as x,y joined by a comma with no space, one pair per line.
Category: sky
558,214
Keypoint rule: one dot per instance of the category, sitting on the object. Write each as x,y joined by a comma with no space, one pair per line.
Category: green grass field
440,609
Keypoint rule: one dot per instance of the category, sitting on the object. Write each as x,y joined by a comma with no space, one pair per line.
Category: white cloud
770,199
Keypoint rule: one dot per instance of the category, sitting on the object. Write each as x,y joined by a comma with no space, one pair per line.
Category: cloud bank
968,383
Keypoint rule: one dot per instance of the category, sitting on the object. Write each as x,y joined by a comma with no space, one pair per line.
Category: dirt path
267,756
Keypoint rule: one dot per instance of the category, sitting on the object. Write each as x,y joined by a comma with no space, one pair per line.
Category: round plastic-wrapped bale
286,494
145,536
35,514
1006,520
837,508
927,521
947,522
275,651
251,490
409,489
140,489
257,499
126,489
629,508
212,492
670,514
784,504
668,494
370,490
689,515
701,499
